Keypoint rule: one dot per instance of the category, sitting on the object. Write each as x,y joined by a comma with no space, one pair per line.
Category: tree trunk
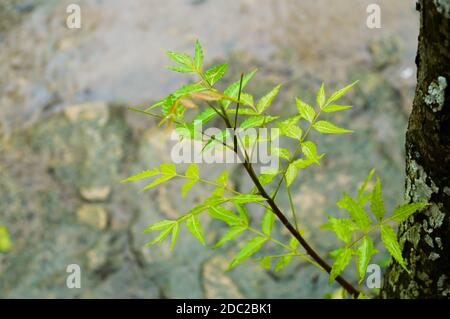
425,236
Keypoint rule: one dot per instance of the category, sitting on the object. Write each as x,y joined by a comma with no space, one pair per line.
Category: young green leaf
339,93
175,231
243,213
265,179
257,121
377,203
168,171
193,224
223,214
326,127
282,262
233,90
250,247
310,151
320,99
266,100
306,111
163,224
141,175
187,187
356,212
293,242
215,73
291,173
266,262
161,236
343,258
335,108
389,239
192,171
5,241
222,179
246,198
363,187
402,212
231,234
198,57
180,58
364,253
247,99
290,130
281,152
343,228
267,222
180,68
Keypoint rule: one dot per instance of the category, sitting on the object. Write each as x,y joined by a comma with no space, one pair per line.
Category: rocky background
67,138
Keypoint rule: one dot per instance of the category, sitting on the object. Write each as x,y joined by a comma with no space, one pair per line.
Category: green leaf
257,121
267,99
161,236
281,152
389,239
5,242
168,171
198,57
187,187
303,162
310,151
402,213
204,116
291,173
293,242
180,58
306,111
267,222
343,258
243,213
339,93
343,228
250,247
265,262
223,214
246,198
231,234
364,186
215,73
326,127
163,224
233,90
290,130
321,96
364,253
193,224
222,179
141,175
180,68
192,171
175,231
187,89
335,108
266,178
356,212
377,203
282,262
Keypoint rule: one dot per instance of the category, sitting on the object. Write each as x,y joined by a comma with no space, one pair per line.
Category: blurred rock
93,215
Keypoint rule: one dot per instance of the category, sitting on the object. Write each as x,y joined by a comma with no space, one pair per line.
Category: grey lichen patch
439,242
443,7
435,216
412,235
441,281
447,190
419,187
411,291
433,256
436,94
429,241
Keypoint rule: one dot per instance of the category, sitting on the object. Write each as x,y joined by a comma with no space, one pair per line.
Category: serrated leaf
187,187
335,108
343,258
265,179
377,203
223,214
293,242
310,151
180,68
343,228
402,212
231,234
243,213
5,241
306,111
175,231
204,116
141,175
320,98
198,57
364,186
168,169
267,99
364,253
326,127
339,93
215,73
267,222
357,214
290,130
163,224
193,224
192,171
242,111
266,262
291,174
222,179
303,162
161,236
180,58
233,90
249,248
389,239
281,152
282,262
246,198
247,99
257,121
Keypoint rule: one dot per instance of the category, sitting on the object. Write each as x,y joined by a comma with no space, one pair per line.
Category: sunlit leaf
306,111
223,214
356,212
377,203
343,258
175,231
364,253
291,173
198,57
320,98
402,212
141,175
249,248
193,224
215,73
335,108
233,89
231,234
268,222
326,127
267,99
339,93
389,239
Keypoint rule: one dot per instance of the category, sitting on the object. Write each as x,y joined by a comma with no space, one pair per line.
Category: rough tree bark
425,236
